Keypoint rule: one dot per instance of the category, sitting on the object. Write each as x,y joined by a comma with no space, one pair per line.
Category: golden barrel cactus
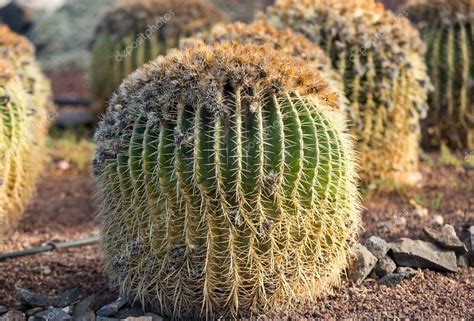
226,182
379,57
24,103
138,31
447,26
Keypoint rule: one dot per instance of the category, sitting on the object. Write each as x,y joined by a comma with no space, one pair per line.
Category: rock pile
71,305
390,263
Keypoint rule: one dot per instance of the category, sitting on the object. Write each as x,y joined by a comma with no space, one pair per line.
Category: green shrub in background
63,36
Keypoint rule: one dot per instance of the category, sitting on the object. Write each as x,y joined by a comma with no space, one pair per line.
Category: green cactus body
448,30
385,78
226,184
24,102
138,31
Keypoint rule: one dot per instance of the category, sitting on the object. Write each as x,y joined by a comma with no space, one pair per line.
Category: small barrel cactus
24,103
226,183
447,27
261,33
385,78
138,31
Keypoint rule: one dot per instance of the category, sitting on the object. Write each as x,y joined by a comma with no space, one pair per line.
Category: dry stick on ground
50,247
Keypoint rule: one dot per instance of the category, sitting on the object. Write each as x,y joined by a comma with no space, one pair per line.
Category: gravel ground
64,210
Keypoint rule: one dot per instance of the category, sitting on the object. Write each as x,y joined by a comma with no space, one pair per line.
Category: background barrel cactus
447,27
24,103
385,78
226,183
261,33
136,32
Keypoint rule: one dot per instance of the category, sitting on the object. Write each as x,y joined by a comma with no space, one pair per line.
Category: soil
64,210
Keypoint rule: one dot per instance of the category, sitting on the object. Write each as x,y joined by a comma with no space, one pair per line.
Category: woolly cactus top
262,33
181,16
14,45
445,12
6,71
378,30
165,82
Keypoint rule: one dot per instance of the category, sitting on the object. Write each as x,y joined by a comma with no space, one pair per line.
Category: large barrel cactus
447,26
136,32
261,33
24,103
226,183
385,78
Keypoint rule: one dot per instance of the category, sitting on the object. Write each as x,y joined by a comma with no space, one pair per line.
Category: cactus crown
378,56
185,17
13,46
226,183
261,33
440,12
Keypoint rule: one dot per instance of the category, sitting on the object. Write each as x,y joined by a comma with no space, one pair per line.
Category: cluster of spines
226,187
385,78
448,30
138,31
261,33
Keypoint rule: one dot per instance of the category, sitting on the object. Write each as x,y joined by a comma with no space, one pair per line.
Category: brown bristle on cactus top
226,184
261,33
448,30
138,31
24,103
379,57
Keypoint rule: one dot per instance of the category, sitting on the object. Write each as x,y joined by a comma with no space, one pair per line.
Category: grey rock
408,271
154,317
33,311
53,314
3,309
393,279
84,307
13,316
111,308
106,319
377,246
67,298
446,238
30,298
385,266
34,318
420,254
142,318
463,261
89,316
471,241
363,264
127,312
